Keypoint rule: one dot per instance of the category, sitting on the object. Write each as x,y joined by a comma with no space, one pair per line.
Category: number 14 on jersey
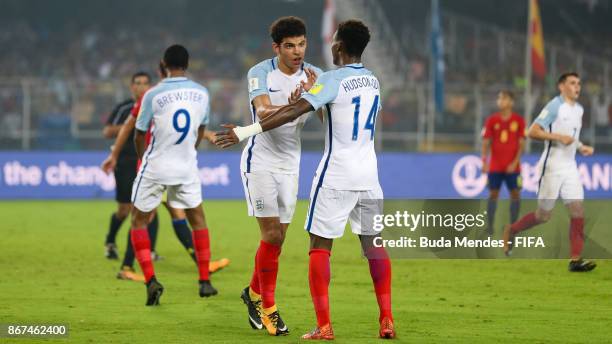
370,121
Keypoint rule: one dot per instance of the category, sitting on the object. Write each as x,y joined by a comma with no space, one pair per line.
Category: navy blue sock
113,229
183,233
128,258
152,229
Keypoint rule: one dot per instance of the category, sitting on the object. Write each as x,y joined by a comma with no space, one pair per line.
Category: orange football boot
127,273
216,265
320,333
387,331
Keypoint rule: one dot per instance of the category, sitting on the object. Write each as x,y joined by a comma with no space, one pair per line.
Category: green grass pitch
52,270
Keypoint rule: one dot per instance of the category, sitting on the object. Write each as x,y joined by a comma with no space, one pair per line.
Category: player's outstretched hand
586,150
566,139
295,95
226,138
311,76
210,136
109,164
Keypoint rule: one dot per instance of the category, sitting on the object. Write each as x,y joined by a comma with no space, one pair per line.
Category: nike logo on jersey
271,90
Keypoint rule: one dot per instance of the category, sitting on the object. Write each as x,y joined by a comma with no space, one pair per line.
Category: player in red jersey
504,136
179,222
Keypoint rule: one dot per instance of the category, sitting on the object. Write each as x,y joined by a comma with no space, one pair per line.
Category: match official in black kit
125,171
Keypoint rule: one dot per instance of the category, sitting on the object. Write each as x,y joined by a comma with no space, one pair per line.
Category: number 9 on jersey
180,125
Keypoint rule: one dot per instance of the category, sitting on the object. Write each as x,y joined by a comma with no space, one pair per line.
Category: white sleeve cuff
245,132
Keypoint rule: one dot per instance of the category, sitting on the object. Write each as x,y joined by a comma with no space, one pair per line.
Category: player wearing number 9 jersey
175,108
346,184
176,112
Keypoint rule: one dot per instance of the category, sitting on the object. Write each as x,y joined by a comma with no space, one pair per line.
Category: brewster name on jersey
181,96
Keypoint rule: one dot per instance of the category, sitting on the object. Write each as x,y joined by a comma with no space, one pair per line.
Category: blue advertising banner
46,175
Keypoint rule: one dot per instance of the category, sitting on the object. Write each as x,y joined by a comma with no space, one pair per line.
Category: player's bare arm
263,106
284,114
486,145
139,142
295,96
586,150
111,130
124,133
201,134
536,132
514,164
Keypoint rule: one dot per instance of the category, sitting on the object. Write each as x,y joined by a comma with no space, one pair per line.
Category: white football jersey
561,118
351,95
277,150
175,109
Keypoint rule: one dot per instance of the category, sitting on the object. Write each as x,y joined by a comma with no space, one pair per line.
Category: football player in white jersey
177,109
559,126
270,164
178,217
346,184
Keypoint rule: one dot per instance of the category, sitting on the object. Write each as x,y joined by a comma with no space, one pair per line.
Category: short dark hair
176,56
139,74
507,93
566,75
284,27
355,35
